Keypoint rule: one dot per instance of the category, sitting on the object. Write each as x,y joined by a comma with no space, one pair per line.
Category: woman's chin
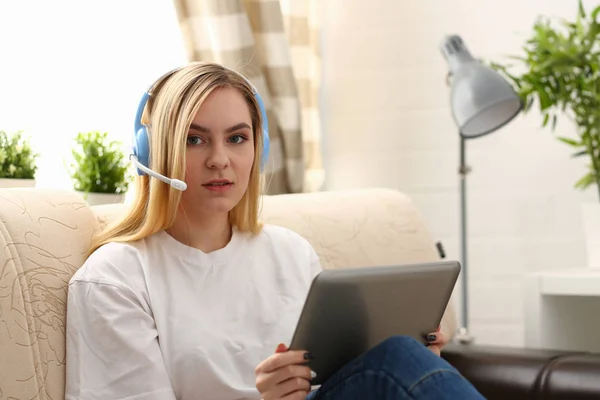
219,205
201,204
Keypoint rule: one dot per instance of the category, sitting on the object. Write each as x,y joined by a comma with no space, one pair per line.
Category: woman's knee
393,348
399,343
403,349
404,360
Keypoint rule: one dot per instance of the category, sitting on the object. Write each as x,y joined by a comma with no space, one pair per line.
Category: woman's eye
193,140
237,139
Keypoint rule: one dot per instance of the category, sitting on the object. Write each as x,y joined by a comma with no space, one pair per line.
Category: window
72,66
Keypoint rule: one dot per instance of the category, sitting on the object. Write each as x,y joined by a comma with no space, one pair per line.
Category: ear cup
142,148
265,130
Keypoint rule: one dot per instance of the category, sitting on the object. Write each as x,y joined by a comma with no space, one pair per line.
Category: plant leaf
585,182
581,10
594,13
570,141
546,119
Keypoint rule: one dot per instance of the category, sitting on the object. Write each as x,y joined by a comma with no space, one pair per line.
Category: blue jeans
400,368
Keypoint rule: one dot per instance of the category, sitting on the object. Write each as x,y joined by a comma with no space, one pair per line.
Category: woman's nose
218,157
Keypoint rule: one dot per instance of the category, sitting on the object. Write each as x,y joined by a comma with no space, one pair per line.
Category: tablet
349,311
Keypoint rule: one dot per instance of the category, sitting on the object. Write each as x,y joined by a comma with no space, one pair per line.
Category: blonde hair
174,101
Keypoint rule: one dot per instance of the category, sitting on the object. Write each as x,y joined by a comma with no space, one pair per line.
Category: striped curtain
274,43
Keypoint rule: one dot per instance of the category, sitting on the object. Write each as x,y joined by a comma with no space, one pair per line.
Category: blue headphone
141,141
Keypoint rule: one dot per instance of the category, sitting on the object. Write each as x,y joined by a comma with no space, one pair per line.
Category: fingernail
308,356
313,374
431,338
280,348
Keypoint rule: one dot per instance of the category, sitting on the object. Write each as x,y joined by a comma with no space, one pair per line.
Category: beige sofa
44,235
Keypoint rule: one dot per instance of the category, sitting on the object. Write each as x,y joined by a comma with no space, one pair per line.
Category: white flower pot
96,199
16,183
591,230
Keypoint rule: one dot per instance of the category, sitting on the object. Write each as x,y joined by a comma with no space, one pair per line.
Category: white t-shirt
157,319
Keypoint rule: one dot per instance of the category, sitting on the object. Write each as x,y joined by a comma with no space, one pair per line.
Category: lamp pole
463,335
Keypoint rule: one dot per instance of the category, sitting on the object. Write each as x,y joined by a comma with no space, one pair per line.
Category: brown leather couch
517,374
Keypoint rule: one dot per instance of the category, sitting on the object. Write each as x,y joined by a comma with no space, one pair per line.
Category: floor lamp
481,102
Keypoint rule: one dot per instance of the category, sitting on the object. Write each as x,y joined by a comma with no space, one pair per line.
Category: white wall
387,123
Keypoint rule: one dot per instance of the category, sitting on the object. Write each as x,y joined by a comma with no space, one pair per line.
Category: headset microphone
174,183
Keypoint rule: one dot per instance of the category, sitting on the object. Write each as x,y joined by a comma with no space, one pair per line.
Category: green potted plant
99,169
17,160
560,71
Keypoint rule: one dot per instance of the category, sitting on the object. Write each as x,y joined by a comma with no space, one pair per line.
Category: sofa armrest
574,376
517,373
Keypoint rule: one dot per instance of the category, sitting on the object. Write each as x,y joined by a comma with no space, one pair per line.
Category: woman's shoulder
281,234
288,244
113,263
281,237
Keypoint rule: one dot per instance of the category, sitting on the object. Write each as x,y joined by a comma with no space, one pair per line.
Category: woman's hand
283,375
437,341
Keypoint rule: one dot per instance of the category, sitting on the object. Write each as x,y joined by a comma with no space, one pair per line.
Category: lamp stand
463,336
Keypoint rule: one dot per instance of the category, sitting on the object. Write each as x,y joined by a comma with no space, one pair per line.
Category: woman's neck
206,234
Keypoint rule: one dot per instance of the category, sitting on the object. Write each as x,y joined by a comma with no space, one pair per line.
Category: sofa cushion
355,228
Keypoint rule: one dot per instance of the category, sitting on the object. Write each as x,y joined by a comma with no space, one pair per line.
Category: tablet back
348,311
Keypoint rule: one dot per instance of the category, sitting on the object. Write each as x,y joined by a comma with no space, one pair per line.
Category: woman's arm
112,346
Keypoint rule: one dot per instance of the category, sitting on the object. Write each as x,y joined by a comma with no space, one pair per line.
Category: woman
189,296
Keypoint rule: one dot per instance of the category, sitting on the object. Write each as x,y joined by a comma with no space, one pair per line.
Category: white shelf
574,282
561,309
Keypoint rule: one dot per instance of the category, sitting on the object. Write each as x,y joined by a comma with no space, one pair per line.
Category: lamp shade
481,100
